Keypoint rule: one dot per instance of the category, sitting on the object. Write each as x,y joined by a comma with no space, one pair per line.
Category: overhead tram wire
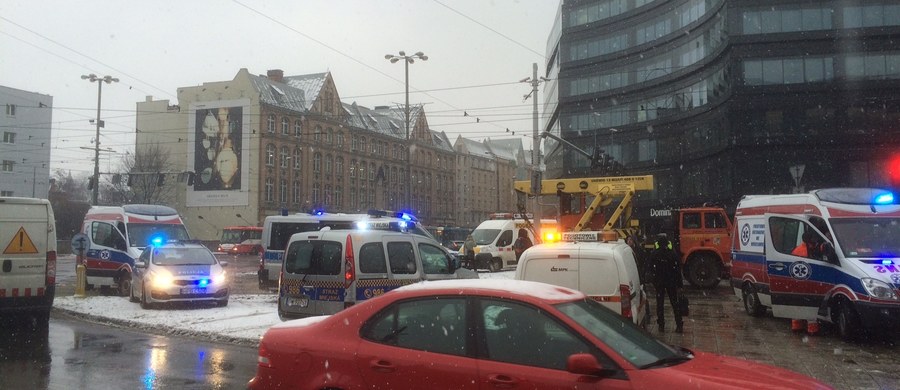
491,29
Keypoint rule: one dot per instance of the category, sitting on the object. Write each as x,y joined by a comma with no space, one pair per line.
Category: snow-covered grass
243,321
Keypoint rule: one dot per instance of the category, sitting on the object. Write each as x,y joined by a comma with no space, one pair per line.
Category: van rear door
554,265
797,284
600,277
25,226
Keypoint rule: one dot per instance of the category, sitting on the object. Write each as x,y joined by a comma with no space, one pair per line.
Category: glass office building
722,98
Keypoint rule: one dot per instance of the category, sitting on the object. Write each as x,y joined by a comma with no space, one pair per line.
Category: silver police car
178,272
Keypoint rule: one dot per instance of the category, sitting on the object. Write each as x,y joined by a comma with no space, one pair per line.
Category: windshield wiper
684,356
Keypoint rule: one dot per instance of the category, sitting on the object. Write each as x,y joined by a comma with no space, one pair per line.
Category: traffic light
160,179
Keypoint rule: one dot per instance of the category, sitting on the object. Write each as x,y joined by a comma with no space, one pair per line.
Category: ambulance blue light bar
157,240
887,198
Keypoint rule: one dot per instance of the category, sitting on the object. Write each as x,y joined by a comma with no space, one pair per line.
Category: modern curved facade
721,98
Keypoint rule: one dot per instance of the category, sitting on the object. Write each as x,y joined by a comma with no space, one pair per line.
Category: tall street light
407,59
100,80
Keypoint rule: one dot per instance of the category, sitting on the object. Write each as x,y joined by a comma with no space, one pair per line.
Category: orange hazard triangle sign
20,243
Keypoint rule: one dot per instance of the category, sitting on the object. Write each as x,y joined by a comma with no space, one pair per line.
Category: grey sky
154,47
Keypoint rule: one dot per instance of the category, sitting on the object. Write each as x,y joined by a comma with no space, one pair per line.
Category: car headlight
879,289
161,279
220,278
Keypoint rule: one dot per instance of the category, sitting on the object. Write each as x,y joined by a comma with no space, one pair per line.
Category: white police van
595,263
278,229
27,258
326,271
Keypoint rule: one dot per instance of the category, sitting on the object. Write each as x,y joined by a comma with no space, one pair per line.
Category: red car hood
711,371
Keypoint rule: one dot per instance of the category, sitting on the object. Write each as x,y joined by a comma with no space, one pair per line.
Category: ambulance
601,266
494,239
850,277
27,258
117,236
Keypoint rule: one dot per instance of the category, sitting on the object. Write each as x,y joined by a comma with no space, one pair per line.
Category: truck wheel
751,301
847,321
703,271
496,265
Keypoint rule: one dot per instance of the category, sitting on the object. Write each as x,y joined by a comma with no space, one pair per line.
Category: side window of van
713,220
313,258
797,238
104,234
401,258
434,260
505,238
371,259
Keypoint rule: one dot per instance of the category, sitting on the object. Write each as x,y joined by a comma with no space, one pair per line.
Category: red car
488,333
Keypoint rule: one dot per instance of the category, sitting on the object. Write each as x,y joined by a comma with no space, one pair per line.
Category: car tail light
625,294
349,264
263,359
51,268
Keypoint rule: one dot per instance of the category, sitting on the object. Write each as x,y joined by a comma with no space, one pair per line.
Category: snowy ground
243,321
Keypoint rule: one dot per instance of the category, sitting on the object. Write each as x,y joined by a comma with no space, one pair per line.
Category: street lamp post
100,80
407,59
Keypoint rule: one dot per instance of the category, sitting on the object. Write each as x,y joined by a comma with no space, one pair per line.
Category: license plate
193,291
299,302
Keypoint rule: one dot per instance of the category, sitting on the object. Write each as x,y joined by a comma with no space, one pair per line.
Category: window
270,189
789,236
317,163
285,157
6,193
352,169
329,137
285,126
298,129
340,139
339,166
432,325
338,197
372,171
714,220
270,123
315,193
298,158
11,109
313,258
283,191
9,137
8,166
328,164
690,221
296,192
371,259
400,256
520,334
317,136
434,259
270,155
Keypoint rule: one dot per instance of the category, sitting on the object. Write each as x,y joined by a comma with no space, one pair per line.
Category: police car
178,271
595,263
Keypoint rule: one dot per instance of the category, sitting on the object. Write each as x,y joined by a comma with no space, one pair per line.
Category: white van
117,236
27,257
851,279
326,271
494,240
278,229
605,271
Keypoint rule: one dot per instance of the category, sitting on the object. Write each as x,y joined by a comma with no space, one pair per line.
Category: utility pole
407,59
536,174
100,80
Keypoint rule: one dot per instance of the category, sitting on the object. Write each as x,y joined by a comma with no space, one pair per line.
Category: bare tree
139,178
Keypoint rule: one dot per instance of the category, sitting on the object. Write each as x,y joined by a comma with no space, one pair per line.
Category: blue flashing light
203,282
886,262
318,212
402,224
406,217
886,198
157,240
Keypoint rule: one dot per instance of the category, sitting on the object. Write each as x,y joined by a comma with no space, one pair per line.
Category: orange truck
702,237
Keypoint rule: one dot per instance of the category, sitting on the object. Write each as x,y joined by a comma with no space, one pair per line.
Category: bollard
80,280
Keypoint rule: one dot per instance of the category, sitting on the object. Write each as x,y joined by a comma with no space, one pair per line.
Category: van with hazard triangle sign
27,256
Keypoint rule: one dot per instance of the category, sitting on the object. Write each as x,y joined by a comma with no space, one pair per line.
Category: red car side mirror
586,364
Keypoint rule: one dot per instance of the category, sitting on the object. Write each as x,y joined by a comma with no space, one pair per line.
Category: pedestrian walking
469,251
665,274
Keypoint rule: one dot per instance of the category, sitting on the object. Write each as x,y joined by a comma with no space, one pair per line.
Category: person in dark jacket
664,270
522,243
